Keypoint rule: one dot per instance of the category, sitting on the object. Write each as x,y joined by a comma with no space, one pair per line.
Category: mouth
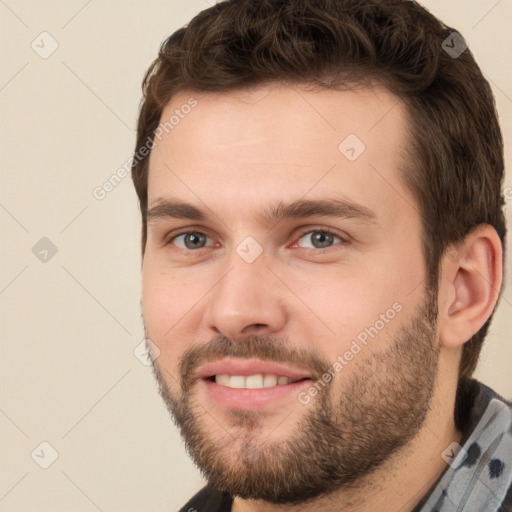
256,381
250,384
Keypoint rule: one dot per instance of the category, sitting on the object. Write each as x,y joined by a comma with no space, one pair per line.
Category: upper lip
246,367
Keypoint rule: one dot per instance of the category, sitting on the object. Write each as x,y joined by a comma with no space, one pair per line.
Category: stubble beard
349,430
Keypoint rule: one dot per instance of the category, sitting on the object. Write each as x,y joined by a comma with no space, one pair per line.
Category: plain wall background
69,325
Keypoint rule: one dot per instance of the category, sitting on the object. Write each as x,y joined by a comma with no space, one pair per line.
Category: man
322,240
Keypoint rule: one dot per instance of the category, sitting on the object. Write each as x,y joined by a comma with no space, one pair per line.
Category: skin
277,143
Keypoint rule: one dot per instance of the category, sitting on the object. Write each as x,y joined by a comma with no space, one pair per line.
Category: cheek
346,295
166,304
346,308
161,312
365,302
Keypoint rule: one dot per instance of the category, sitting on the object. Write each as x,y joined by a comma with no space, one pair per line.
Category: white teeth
254,382
257,381
223,380
237,381
269,381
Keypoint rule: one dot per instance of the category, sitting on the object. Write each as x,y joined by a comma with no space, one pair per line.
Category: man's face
297,353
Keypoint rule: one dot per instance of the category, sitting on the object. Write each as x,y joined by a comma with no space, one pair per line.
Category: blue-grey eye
192,240
320,239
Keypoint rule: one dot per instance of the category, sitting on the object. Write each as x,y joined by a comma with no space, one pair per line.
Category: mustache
253,347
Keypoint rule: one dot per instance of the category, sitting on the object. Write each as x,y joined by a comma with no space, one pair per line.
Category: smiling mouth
257,381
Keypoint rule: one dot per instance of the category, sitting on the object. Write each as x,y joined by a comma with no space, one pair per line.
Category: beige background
69,325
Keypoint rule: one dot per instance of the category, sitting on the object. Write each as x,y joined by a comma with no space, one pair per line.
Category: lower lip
251,399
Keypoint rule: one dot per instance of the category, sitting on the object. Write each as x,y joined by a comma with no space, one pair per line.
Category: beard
349,430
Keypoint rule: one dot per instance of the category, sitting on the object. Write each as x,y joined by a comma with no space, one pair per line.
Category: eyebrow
301,208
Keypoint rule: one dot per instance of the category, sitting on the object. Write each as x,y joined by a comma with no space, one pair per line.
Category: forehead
279,142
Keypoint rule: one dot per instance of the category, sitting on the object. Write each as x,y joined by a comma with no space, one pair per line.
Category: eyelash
344,241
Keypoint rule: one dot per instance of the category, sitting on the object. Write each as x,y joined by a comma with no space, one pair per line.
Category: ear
471,277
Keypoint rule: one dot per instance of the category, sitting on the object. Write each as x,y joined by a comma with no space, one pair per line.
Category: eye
320,238
191,240
196,240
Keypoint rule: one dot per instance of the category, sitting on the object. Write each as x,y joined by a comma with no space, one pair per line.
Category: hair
456,148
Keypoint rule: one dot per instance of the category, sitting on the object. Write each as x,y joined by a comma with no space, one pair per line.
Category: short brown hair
457,146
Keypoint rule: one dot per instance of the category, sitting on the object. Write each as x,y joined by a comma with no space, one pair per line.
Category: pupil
194,238
322,237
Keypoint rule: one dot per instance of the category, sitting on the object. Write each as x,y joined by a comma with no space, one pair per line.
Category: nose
248,300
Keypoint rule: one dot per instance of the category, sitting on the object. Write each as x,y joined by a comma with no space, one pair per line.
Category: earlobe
470,285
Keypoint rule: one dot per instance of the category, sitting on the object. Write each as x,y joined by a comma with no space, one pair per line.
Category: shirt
478,475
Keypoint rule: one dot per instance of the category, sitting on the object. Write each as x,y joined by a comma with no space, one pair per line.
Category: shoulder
208,499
